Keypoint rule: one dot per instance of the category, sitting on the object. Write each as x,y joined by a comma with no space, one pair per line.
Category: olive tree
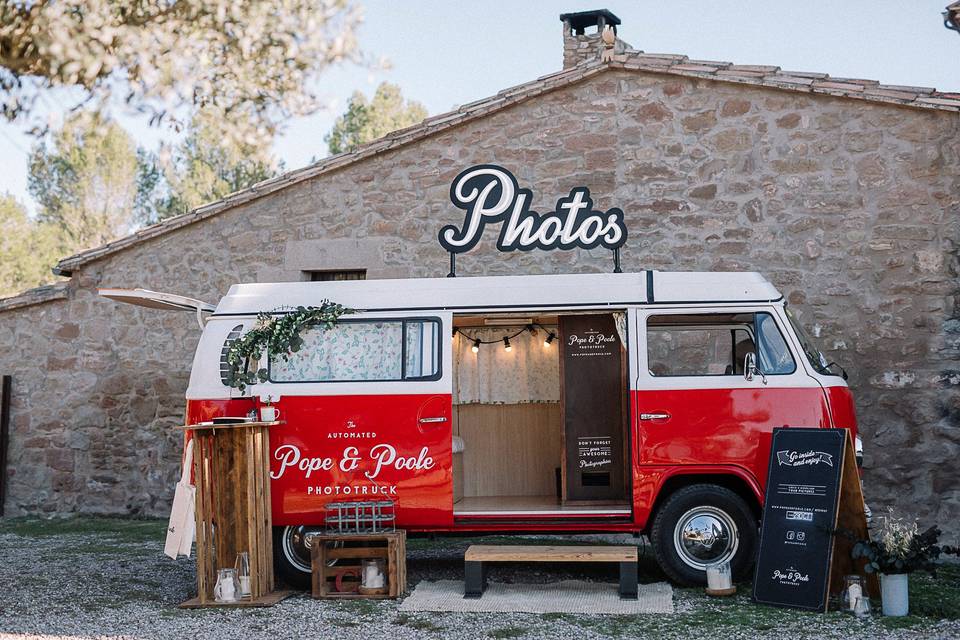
256,61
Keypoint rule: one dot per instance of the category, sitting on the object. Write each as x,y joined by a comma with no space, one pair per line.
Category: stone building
843,192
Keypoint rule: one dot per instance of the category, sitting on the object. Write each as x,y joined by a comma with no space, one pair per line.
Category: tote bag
182,526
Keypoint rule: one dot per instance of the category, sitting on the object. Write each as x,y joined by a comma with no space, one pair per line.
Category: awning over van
158,300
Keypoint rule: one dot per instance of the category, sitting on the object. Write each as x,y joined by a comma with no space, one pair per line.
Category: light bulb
476,345
549,339
506,344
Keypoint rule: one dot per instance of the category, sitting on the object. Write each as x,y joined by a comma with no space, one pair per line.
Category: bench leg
628,580
474,579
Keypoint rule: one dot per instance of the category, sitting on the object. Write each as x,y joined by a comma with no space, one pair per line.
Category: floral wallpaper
347,351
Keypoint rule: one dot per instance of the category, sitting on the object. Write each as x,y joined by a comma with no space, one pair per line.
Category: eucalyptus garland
278,333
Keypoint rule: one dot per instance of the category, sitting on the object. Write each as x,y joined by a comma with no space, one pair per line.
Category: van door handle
654,416
430,420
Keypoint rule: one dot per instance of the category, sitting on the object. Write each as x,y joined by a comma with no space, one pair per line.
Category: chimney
580,46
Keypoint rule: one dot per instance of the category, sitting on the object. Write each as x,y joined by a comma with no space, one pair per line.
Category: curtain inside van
529,372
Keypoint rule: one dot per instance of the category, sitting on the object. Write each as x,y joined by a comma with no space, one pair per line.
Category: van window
715,345
363,351
224,365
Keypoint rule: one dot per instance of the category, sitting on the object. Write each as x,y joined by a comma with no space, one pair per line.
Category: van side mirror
750,368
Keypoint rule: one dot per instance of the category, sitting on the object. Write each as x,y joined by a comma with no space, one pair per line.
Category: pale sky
448,53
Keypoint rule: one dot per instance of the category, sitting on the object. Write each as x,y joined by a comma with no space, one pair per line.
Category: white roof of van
589,290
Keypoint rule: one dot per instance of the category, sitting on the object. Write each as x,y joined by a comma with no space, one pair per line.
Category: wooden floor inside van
532,505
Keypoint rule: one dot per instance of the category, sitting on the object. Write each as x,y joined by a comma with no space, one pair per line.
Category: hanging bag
182,526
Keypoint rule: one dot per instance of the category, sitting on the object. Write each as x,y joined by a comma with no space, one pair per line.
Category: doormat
568,596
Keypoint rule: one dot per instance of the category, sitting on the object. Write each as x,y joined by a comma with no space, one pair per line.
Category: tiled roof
668,64
34,296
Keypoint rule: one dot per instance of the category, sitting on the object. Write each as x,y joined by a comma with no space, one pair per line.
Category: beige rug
568,596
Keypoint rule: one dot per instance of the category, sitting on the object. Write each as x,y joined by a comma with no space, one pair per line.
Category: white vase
894,590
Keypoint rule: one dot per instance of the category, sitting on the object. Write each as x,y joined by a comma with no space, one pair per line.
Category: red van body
697,441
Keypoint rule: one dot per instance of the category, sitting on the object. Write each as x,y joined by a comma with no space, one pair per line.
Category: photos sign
489,195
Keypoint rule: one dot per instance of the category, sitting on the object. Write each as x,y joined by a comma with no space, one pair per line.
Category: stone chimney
581,46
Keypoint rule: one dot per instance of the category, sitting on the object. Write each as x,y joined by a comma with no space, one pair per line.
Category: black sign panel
592,406
799,515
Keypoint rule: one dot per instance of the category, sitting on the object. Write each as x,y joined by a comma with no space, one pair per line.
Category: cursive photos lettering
489,194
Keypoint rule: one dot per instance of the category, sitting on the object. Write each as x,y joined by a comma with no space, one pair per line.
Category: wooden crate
349,552
231,472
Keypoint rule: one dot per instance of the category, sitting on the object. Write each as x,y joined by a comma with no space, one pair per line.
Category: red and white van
634,402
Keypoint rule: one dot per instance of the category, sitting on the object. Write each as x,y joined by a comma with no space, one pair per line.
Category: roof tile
947,102
830,85
759,68
900,87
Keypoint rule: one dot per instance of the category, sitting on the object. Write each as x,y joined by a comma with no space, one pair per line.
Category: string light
532,328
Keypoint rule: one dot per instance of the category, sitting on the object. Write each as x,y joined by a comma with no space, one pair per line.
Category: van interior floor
533,505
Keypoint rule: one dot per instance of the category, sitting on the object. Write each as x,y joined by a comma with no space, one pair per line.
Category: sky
444,53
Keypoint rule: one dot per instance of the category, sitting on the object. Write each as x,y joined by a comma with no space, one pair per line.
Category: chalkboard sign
799,517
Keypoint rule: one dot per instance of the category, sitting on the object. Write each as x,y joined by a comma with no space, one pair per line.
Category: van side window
363,351
224,367
715,345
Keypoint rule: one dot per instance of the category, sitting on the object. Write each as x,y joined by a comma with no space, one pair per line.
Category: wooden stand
231,472
341,579
852,519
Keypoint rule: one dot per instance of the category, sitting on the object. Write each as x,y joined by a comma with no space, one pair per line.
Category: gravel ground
105,578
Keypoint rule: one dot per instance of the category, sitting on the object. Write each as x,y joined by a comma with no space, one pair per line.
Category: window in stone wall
334,275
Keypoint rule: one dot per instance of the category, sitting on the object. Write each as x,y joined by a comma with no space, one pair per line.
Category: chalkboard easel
813,491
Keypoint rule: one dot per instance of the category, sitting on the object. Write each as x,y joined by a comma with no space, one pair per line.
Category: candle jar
242,565
372,574
853,588
719,579
227,588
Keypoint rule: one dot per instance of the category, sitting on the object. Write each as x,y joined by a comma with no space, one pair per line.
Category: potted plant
897,550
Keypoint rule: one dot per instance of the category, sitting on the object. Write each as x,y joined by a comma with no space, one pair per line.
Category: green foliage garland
279,335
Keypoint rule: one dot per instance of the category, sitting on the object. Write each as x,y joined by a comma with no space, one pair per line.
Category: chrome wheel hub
295,549
704,536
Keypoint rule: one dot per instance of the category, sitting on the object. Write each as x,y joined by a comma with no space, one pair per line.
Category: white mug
269,413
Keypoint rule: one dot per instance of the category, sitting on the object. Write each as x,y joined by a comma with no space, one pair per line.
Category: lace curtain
529,372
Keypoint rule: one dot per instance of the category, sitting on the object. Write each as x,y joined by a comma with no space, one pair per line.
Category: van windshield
817,361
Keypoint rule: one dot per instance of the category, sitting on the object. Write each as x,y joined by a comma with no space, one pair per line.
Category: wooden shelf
232,425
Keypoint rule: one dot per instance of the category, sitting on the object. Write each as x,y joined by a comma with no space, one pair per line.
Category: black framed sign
799,516
488,194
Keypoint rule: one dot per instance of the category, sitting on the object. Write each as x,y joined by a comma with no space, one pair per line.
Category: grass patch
406,620
937,597
508,632
120,529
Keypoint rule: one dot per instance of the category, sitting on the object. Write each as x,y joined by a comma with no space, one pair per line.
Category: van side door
694,405
367,406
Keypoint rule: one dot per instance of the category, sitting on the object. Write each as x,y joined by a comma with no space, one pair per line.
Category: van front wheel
701,525
291,556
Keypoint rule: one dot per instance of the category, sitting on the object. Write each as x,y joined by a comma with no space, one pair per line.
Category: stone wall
849,207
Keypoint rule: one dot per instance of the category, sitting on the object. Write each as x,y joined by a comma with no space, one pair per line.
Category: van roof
493,293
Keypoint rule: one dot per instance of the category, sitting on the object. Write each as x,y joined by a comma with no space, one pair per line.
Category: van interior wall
507,412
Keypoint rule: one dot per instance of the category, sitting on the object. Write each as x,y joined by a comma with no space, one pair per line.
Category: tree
363,121
27,249
255,60
85,181
204,167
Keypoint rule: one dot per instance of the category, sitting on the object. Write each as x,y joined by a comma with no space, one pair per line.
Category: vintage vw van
633,402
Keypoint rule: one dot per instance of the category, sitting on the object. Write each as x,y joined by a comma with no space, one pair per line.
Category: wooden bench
475,576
